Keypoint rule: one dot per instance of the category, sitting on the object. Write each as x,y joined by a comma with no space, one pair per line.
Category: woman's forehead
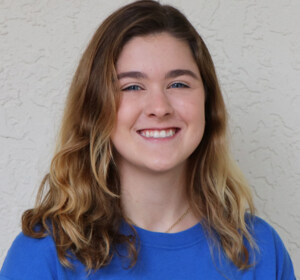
156,53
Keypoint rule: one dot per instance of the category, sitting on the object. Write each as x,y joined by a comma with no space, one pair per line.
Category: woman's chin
163,167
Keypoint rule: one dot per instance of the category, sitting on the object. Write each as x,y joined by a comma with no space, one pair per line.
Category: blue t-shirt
182,255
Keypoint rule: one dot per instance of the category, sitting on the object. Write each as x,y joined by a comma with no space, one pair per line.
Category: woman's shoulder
30,258
263,232
32,245
259,226
271,253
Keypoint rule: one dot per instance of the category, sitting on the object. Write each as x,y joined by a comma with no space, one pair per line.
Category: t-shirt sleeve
30,259
273,258
285,269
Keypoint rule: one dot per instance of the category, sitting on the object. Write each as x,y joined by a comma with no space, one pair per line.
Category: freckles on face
161,117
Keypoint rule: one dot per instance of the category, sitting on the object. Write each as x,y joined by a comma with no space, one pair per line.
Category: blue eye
178,85
132,88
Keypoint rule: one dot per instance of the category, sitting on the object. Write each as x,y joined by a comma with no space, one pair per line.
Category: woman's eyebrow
181,72
132,74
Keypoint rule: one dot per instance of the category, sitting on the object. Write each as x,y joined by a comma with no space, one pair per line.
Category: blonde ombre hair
78,202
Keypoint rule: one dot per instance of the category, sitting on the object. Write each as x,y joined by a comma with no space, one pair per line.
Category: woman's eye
178,85
132,88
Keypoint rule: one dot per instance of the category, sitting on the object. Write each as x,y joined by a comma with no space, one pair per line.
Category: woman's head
94,95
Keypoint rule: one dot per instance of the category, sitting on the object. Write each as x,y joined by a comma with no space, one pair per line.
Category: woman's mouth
158,133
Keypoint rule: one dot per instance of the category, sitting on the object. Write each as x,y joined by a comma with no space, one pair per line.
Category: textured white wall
256,49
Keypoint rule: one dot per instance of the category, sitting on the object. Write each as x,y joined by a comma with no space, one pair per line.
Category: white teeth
170,133
158,133
162,134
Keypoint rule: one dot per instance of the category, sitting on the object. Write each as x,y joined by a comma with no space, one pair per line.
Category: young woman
142,185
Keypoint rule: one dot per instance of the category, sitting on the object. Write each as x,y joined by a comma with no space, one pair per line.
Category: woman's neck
155,201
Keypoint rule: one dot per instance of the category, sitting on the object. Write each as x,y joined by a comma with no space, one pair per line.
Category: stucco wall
256,49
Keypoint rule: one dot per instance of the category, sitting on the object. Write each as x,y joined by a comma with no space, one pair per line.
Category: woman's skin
160,122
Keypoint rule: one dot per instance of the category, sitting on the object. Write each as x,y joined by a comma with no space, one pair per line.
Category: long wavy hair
78,202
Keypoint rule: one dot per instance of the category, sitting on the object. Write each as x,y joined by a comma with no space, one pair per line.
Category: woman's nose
158,104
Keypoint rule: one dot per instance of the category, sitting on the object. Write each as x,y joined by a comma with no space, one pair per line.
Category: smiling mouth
158,134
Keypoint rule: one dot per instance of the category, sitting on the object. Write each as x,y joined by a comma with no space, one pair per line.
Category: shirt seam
168,247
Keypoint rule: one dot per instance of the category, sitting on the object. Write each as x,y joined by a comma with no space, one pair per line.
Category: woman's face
161,117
